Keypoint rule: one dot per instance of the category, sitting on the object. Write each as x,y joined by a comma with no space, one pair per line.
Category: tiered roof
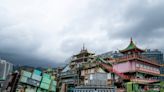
131,48
83,52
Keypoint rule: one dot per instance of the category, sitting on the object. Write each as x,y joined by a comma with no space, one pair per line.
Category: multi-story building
9,85
135,66
110,54
5,69
90,69
156,55
83,57
70,75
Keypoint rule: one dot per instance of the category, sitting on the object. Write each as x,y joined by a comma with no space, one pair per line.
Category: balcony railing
148,71
69,73
139,80
69,81
135,56
84,57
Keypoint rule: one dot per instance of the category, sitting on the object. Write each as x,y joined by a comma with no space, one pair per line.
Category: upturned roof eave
130,47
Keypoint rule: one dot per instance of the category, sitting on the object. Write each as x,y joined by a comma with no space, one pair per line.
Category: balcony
135,56
143,81
68,74
148,71
69,81
81,58
72,63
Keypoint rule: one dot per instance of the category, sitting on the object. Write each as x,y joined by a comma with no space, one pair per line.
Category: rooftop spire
131,39
83,46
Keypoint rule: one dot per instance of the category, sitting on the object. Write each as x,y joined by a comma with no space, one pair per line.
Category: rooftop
131,47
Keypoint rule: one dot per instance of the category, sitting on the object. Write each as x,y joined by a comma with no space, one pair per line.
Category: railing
70,81
69,73
134,56
89,65
139,80
110,69
148,71
126,77
72,63
83,57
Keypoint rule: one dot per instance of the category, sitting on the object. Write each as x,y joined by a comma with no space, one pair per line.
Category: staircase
108,67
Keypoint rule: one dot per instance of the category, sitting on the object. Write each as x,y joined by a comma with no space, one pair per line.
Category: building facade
70,76
158,56
132,67
138,68
155,55
5,69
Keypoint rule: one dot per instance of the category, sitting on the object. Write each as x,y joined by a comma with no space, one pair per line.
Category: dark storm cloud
48,33
25,60
142,20
147,20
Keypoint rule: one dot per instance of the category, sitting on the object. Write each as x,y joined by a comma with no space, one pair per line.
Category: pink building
137,67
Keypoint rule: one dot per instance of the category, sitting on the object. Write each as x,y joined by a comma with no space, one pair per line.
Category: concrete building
89,69
154,54
5,69
158,56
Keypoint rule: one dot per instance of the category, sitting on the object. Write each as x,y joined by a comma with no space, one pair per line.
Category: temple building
70,75
132,67
136,67
83,57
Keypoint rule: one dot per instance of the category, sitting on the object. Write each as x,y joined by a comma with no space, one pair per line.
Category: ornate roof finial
131,47
131,39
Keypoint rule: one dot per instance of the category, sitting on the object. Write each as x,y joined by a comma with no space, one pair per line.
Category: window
153,69
137,65
148,67
141,65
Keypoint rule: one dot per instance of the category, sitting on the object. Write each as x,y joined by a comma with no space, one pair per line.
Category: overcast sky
48,32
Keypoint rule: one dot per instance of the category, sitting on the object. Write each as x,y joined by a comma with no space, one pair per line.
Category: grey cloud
45,34
150,20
